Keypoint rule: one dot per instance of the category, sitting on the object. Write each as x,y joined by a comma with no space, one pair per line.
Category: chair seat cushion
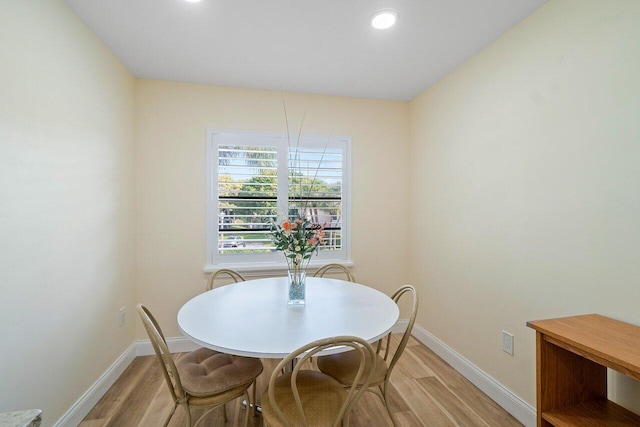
321,396
205,372
344,367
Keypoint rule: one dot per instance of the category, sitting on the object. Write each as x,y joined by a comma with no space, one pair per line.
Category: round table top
253,318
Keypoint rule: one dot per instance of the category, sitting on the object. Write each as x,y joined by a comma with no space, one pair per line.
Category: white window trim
274,263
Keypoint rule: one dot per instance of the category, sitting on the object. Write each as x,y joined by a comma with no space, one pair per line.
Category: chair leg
248,409
207,412
255,400
345,420
188,414
380,391
173,411
385,400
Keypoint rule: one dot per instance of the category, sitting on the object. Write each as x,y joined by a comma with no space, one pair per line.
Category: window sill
271,269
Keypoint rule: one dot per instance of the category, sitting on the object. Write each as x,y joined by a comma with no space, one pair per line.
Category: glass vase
297,278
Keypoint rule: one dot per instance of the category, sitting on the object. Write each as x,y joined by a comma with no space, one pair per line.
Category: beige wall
171,121
66,246
525,172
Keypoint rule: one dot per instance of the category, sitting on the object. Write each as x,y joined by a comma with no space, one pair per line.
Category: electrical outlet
507,342
123,316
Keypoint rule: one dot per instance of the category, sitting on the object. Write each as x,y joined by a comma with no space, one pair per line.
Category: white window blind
315,190
247,197
255,179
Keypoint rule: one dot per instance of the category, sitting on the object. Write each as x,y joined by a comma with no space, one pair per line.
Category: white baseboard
504,397
90,398
517,407
176,345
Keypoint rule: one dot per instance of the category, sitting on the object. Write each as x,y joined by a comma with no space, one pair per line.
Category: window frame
273,261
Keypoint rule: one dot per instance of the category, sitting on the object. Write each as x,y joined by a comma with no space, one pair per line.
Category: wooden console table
572,355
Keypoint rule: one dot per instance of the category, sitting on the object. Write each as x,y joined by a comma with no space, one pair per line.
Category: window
255,179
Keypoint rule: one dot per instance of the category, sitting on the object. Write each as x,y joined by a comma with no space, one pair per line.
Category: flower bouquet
298,240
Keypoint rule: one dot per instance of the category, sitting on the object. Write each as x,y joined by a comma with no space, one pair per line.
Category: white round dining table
253,319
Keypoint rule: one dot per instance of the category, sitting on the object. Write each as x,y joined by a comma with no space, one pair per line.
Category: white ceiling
322,46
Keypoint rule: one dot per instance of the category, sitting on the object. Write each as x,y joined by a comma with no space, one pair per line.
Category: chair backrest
303,354
326,268
159,344
237,277
410,290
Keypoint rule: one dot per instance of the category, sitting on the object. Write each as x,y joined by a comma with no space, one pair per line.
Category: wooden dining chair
305,397
237,277
344,366
202,378
335,267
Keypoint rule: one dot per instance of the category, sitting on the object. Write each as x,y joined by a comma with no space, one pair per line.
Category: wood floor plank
396,401
140,397
369,411
425,408
473,397
407,419
413,365
117,396
424,391
158,411
94,423
456,409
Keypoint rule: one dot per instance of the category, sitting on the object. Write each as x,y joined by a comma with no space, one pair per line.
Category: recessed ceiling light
193,1
384,19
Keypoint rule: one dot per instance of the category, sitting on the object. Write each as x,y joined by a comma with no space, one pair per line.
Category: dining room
502,187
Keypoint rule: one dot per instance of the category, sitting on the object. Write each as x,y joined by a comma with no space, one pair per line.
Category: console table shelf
599,413
572,354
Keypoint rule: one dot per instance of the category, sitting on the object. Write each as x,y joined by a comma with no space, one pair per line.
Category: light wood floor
426,392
